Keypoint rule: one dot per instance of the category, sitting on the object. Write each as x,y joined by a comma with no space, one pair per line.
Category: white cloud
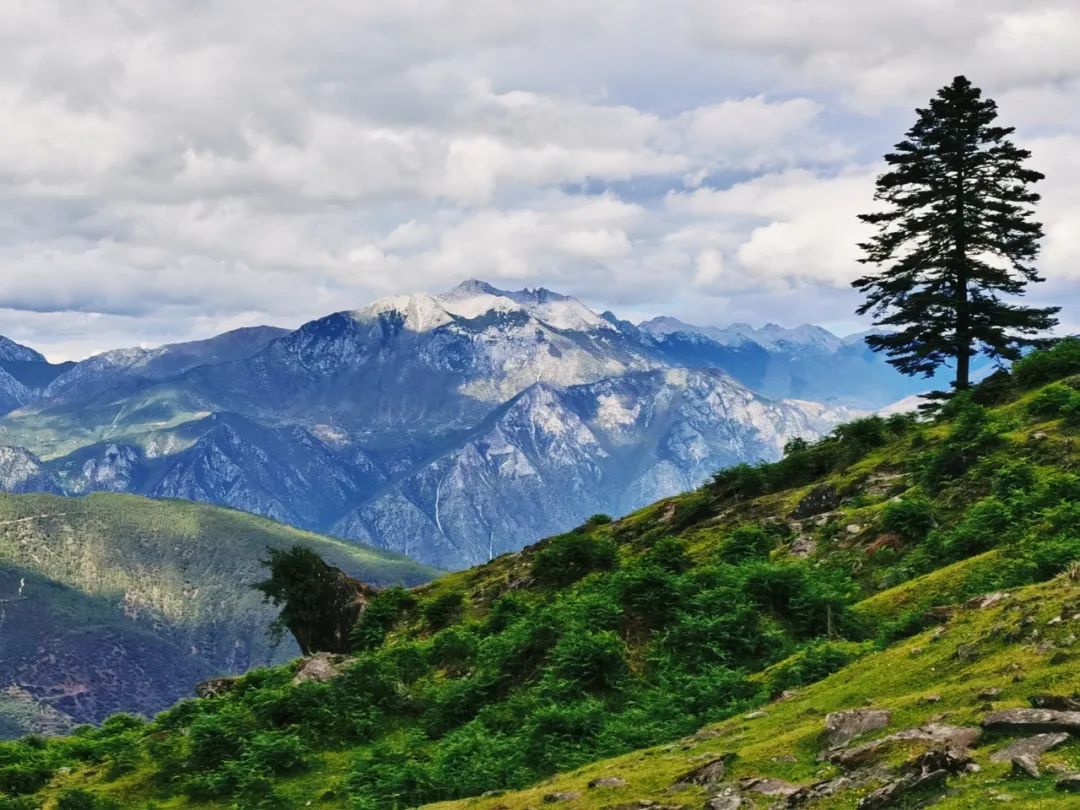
170,171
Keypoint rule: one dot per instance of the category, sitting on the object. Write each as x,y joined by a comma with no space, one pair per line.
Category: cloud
173,171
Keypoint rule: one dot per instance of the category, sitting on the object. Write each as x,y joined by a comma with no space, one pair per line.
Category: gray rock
708,774
1033,746
893,793
767,786
321,667
1020,721
561,796
956,739
842,727
991,693
820,499
1065,703
607,782
727,798
1026,764
215,687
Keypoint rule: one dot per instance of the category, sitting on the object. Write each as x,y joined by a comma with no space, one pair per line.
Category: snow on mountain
22,471
10,350
449,426
13,393
135,366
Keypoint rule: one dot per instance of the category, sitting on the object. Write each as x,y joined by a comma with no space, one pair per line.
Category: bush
24,777
1012,479
590,661
504,611
741,481
972,436
1059,361
748,542
270,752
77,799
453,648
814,662
442,609
807,601
561,736
1050,401
570,557
912,518
375,623
649,594
669,554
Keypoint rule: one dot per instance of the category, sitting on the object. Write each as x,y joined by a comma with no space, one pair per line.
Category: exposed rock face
320,667
820,499
842,727
708,774
449,427
22,471
929,771
951,738
1032,746
215,687
607,782
1033,721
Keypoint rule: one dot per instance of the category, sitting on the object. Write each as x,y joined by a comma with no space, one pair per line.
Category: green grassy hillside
115,602
753,607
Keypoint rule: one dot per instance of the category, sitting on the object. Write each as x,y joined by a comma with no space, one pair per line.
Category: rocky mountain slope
438,410
883,618
117,603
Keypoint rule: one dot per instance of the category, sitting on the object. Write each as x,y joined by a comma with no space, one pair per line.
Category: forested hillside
822,582
118,603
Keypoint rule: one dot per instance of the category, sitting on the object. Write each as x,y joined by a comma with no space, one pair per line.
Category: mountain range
449,427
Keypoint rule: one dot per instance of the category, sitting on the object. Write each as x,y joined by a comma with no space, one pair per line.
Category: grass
785,743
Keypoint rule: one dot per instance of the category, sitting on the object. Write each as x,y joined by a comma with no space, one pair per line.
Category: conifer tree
955,239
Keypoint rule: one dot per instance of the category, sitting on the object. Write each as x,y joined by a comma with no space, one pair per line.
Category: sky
171,170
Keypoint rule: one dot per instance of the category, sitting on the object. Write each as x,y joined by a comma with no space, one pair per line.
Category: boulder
1025,764
842,727
802,546
1034,746
767,786
727,798
215,687
607,782
956,739
561,796
820,499
708,774
1032,721
1062,703
928,771
991,693
987,600
319,667
891,794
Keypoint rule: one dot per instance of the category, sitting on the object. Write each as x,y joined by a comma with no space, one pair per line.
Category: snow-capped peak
473,298
555,309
